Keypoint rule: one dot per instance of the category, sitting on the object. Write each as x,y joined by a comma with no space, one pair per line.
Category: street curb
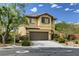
9,47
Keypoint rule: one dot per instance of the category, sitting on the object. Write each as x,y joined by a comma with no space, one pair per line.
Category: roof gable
38,15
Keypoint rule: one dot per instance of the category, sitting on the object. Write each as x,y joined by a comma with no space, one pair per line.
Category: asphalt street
39,51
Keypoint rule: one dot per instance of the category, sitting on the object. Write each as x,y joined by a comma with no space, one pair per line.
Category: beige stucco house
39,27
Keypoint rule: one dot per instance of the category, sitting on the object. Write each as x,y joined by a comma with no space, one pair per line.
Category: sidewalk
10,47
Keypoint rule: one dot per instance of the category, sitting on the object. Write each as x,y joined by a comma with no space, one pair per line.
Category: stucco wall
22,31
39,24
44,26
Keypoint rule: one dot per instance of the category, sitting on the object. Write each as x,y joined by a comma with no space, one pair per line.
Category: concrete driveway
46,44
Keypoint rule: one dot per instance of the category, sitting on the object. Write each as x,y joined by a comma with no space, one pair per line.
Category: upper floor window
45,20
31,20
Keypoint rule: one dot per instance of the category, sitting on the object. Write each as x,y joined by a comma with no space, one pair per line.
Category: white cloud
71,4
76,11
68,9
34,9
40,5
55,6
58,6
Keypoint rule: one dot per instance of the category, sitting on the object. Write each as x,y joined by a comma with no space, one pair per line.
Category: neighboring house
40,27
73,36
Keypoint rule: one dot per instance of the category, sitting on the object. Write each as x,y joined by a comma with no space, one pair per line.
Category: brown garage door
39,35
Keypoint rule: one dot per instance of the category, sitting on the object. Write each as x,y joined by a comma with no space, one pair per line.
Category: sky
68,12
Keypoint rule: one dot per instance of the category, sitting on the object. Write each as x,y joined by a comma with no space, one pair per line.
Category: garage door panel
39,35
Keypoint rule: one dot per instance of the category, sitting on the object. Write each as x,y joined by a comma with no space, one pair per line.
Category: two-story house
40,27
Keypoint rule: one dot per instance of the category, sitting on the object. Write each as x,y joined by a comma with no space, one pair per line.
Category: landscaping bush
55,37
61,40
9,40
76,42
26,43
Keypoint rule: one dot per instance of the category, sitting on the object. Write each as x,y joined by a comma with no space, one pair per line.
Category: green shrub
9,40
55,37
23,38
26,43
76,42
61,40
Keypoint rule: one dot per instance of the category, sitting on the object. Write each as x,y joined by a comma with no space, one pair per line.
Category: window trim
31,20
44,22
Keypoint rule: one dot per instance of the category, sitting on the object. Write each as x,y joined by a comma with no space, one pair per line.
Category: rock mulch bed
71,43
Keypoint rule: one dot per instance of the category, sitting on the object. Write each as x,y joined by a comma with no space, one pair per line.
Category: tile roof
37,15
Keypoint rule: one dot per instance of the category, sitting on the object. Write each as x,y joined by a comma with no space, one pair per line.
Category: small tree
10,19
